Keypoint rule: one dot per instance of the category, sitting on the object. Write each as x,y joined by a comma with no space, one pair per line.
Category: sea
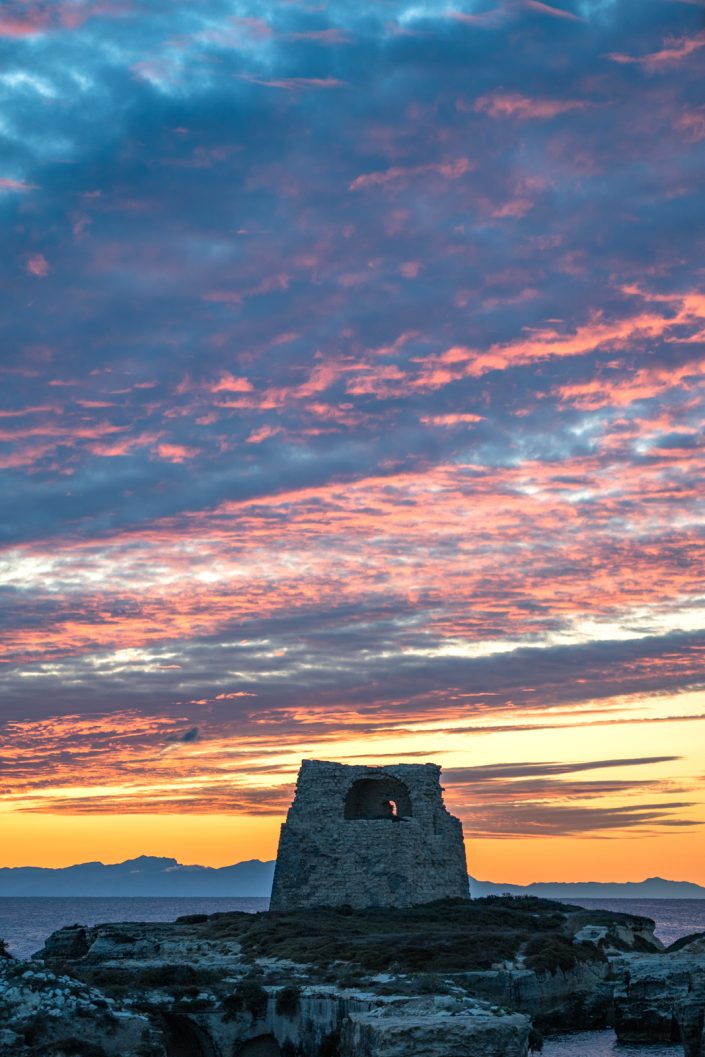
25,923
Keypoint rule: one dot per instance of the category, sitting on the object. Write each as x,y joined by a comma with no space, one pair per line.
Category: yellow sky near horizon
578,793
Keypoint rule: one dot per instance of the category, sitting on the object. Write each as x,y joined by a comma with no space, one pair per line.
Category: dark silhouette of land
154,876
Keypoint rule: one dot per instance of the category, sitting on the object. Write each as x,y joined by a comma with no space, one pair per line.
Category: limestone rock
650,990
578,998
41,1012
690,1018
425,1030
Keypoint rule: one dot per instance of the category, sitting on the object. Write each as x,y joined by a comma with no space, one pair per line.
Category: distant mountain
144,876
152,876
652,888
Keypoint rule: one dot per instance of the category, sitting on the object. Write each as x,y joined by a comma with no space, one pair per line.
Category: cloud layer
353,379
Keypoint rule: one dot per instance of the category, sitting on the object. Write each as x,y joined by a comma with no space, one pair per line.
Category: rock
423,1030
42,1013
650,989
381,982
690,1017
69,942
579,998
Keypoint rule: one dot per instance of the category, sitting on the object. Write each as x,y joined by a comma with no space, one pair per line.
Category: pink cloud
556,12
228,383
292,84
400,175
644,384
522,107
175,452
254,27
674,50
28,25
490,19
515,207
7,184
278,281
321,36
692,124
263,433
410,269
37,265
450,420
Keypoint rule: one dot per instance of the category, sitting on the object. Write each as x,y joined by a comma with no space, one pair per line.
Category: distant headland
157,876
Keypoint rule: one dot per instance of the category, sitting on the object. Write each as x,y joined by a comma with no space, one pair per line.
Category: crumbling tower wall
368,837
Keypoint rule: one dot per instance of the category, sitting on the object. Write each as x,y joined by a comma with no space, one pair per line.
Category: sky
352,377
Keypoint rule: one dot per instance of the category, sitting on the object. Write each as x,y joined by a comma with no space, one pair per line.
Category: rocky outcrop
41,1012
580,997
657,998
430,1028
452,978
690,1018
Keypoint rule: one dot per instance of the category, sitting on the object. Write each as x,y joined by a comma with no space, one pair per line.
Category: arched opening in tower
382,797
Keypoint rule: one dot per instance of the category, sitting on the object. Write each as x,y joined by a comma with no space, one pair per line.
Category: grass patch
452,936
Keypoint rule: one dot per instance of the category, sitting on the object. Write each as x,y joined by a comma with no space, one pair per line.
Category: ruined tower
368,837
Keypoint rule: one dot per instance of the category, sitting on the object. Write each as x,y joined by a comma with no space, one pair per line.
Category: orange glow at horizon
605,814
221,840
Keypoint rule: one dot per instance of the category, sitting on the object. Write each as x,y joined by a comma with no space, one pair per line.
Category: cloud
502,771
292,84
364,390
37,265
186,737
513,104
399,175
674,51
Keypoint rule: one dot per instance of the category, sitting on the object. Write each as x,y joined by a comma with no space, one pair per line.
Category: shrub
72,1047
351,978
172,975
4,953
430,984
553,952
535,1040
288,1000
248,997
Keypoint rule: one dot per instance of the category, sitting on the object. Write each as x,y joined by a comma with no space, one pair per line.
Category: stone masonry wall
326,859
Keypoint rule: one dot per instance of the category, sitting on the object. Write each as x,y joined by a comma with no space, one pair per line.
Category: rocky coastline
488,978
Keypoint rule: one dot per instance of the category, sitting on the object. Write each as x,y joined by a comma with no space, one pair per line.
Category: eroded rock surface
444,980
430,1028
55,1015
661,999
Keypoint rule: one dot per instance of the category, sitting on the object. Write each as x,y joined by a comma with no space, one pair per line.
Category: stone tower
368,837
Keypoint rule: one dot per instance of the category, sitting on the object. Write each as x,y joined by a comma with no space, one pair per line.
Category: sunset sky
352,392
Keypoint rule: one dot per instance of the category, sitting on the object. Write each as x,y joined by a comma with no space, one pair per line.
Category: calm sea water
602,1044
26,923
